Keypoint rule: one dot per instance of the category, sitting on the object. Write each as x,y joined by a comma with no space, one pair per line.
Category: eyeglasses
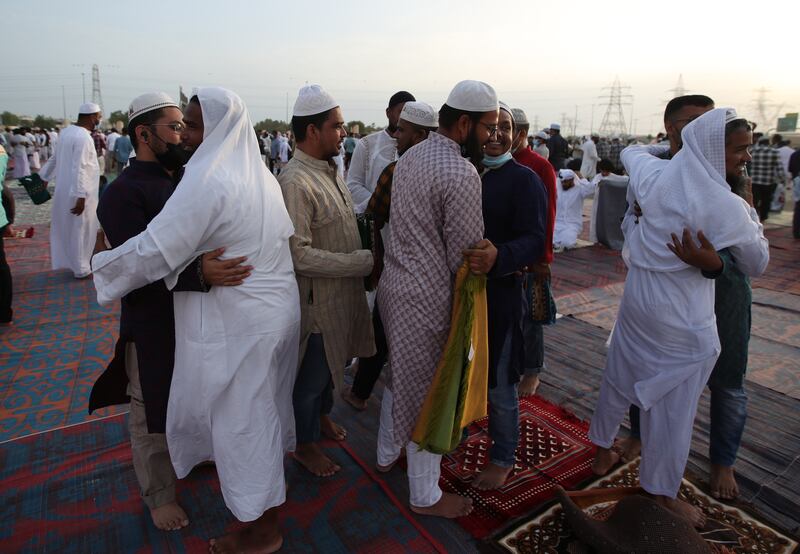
177,127
491,128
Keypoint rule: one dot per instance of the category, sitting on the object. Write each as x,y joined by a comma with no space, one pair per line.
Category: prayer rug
726,527
553,450
61,340
74,490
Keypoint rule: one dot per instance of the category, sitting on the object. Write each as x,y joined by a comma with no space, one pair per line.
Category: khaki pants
151,461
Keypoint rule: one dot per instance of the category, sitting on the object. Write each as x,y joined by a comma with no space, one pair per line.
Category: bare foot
332,430
492,477
449,506
169,517
692,514
528,385
723,482
631,448
259,537
354,401
604,460
311,457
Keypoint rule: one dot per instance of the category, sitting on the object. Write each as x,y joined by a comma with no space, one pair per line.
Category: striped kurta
328,261
436,214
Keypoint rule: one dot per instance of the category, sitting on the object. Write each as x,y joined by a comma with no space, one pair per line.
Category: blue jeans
313,391
504,411
728,417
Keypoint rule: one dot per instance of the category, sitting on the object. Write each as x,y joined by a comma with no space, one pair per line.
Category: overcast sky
545,57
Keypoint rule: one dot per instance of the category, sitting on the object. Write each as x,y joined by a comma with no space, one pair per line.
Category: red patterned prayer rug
553,450
74,490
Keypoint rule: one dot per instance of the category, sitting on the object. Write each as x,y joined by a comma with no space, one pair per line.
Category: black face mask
173,157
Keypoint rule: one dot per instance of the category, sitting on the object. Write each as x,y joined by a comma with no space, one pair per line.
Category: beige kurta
328,261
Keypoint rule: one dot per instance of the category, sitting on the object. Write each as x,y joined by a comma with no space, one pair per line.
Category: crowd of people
240,264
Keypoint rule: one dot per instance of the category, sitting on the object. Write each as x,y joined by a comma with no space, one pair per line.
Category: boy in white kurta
74,169
665,340
235,347
572,189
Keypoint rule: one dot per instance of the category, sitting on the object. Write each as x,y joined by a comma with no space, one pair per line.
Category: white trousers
424,468
666,431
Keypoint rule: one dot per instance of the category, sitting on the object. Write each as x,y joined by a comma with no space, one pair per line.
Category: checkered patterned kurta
436,214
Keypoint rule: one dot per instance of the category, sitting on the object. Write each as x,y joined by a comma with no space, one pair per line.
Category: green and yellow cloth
458,394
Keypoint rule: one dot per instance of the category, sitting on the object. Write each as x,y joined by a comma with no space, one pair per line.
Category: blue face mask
493,162
536,142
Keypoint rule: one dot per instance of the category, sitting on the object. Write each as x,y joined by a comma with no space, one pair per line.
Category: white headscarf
227,172
691,193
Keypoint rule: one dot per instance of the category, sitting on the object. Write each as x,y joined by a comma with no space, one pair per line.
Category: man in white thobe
590,157
572,190
74,168
235,347
373,153
665,341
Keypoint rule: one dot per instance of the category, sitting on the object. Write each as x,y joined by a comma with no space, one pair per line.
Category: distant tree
271,124
10,118
118,116
45,122
363,129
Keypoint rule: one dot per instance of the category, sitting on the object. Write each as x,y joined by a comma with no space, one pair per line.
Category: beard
737,183
473,149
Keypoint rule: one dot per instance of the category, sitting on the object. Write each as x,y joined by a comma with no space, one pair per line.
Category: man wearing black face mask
141,370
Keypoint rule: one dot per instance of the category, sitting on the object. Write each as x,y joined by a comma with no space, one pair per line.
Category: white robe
569,212
76,173
665,342
22,166
590,159
370,157
236,348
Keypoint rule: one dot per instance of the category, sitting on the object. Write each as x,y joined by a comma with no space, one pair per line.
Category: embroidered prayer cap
311,100
566,174
519,116
89,108
400,97
555,126
420,113
148,102
542,135
473,96
730,115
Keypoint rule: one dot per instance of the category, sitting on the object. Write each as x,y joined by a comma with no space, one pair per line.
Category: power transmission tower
768,112
97,97
679,89
614,118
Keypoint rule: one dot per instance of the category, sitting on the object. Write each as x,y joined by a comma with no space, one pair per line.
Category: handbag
541,304
36,188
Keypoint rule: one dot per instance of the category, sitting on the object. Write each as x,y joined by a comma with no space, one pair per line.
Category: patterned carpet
726,527
775,339
74,490
553,450
60,341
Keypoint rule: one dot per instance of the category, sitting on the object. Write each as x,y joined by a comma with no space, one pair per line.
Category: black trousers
796,220
6,313
369,369
762,198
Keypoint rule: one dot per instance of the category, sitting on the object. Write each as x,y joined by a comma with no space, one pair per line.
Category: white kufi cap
473,96
311,100
89,108
555,126
148,102
519,116
566,174
420,113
